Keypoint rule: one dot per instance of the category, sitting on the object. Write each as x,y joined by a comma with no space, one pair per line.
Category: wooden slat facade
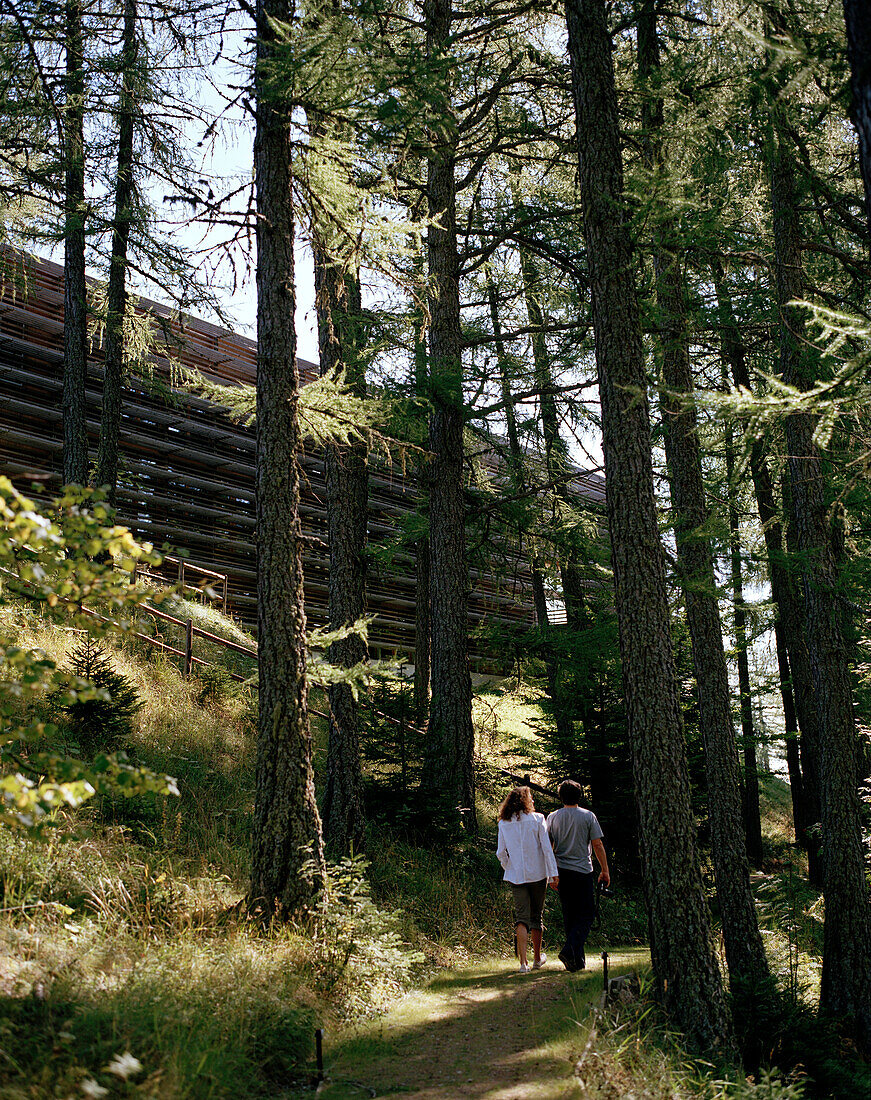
187,477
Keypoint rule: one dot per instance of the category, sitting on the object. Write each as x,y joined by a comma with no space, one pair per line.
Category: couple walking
535,853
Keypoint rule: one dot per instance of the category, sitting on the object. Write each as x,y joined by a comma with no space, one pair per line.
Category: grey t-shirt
572,831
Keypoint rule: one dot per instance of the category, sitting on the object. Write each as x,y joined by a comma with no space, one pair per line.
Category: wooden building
187,473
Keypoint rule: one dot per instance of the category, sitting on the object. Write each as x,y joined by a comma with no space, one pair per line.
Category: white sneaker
524,969
538,965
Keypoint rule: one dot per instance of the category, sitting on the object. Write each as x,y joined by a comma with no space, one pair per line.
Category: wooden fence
188,472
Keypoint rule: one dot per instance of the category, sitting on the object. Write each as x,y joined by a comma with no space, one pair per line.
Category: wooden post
226,579
188,648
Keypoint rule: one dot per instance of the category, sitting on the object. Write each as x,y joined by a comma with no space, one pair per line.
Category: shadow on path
483,1032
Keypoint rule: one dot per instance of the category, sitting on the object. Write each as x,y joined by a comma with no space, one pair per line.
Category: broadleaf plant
68,558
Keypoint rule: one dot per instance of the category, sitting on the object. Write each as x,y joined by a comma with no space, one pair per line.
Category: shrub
359,956
103,721
59,564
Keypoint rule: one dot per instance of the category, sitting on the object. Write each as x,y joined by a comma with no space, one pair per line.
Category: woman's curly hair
519,801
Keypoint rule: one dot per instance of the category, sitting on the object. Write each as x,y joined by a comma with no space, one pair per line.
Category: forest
540,243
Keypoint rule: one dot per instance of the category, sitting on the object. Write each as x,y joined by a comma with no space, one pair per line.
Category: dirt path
483,1032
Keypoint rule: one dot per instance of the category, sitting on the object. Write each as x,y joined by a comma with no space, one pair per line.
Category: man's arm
599,852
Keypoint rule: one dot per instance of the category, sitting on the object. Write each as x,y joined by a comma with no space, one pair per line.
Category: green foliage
329,409
791,913
360,956
201,1020
391,746
63,564
217,686
632,1051
455,898
105,719
789,1037
130,938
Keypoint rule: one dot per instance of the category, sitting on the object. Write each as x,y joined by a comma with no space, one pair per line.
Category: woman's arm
502,849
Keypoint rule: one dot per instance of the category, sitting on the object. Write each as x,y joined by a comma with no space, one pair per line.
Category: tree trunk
857,18
75,450
116,295
422,632
687,976
337,299
846,978
796,684
564,724
422,629
448,777
752,817
287,858
791,737
745,954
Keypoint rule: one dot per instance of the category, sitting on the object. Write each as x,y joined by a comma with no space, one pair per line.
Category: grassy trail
482,1031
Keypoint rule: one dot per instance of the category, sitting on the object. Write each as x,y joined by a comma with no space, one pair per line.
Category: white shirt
524,849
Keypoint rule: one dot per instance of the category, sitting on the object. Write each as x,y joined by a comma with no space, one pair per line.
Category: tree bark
745,954
796,683
422,626
75,339
337,300
857,19
752,816
687,976
116,295
287,858
422,632
448,778
846,977
791,738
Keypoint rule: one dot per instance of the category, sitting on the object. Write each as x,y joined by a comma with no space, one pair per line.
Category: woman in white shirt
527,858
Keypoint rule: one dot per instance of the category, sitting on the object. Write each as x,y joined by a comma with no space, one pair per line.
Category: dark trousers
577,895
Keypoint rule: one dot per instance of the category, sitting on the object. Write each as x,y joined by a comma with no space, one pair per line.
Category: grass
124,949
197,1014
122,933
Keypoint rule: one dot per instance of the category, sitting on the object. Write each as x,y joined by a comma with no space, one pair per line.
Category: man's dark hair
570,792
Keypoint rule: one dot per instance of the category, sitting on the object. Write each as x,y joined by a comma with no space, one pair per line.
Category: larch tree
745,954
846,978
339,315
338,305
448,778
687,976
287,857
795,680
752,814
857,17
75,339
116,291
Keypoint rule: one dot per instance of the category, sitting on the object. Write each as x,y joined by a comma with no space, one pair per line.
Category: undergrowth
127,963
631,1050
124,946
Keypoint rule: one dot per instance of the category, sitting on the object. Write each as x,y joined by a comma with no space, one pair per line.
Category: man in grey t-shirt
575,835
